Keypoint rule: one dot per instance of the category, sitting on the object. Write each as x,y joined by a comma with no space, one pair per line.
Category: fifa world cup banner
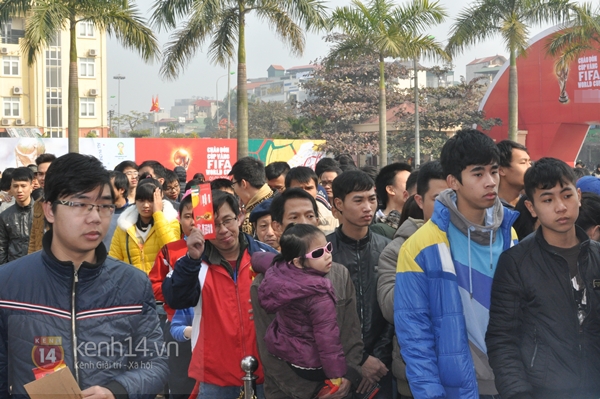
211,157
294,152
17,152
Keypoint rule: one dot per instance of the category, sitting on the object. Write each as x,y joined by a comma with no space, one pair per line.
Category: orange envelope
204,218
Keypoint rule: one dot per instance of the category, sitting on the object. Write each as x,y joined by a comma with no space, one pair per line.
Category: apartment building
35,97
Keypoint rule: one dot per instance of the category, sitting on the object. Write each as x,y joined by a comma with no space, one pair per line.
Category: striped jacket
100,322
428,312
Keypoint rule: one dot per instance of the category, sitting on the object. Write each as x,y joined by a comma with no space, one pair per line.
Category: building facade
35,97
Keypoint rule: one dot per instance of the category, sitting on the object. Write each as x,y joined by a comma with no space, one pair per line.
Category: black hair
467,147
199,176
74,173
278,205
347,182
145,189
185,201
295,242
276,169
326,163
219,184
411,209
345,159
44,158
346,167
589,211
121,181
580,172
221,197
506,147
427,172
157,168
250,169
170,177
37,194
525,223
371,171
411,182
547,173
124,165
301,174
194,182
6,179
332,168
386,177
22,174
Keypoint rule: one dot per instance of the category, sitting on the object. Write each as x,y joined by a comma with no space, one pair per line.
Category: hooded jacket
433,283
280,381
385,292
305,331
537,346
361,258
15,224
125,245
100,321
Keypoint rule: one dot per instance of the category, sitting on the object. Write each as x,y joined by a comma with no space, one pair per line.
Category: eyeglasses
228,223
172,188
40,174
317,253
326,183
105,210
130,173
233,183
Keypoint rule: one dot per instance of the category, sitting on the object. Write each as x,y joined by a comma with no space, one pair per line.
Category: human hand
195,243
97,392
372,371
342,391
187,332
157,204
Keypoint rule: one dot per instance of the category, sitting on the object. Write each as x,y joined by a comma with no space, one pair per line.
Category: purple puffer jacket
305,330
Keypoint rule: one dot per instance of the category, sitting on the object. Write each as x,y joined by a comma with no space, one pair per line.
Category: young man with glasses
214,278
70,304
130,169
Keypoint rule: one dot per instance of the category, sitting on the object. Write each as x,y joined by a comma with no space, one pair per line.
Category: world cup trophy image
562,73
182,158
28,149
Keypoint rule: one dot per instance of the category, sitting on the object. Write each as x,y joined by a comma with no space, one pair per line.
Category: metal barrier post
249,365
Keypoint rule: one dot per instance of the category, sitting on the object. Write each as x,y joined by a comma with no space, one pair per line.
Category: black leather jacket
361,258
535,343
15,224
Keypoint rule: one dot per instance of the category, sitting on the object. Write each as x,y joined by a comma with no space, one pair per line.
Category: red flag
155,107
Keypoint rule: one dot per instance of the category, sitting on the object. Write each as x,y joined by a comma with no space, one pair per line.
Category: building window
86,67
54,109
12,107
87,107
86,29
10,66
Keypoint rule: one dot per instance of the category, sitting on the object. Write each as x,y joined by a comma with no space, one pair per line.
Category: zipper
237,294
73,330
536,347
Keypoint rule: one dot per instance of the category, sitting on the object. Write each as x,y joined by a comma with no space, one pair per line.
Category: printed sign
203,210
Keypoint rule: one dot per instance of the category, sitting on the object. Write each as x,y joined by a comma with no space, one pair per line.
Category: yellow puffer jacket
125,246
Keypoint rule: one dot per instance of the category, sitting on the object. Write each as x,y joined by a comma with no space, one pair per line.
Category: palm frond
13,8
475,23
166,13
311,14
290,32
45,21
222,48
419,15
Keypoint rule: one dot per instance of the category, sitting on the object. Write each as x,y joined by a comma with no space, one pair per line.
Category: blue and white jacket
441,300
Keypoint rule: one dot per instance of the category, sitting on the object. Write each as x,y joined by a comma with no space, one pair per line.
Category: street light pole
417,132
217,88
119,78
228,99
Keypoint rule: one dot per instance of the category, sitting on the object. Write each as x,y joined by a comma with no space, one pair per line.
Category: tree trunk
242,94
73,96
513,97
382,115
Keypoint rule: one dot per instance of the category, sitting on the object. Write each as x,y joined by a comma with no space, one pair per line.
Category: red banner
212,157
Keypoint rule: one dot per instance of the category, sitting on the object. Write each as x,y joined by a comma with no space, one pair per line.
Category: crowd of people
475,276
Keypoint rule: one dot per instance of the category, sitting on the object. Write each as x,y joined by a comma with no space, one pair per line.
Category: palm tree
511,19
581,33
386,30
46,18
223,22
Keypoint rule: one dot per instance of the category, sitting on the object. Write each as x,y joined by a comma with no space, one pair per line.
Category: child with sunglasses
305,332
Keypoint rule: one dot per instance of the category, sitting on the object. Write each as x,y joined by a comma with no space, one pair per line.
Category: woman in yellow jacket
142,230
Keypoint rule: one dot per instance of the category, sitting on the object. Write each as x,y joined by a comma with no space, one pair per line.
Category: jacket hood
478,233
284,283
262,261
408,228
130,216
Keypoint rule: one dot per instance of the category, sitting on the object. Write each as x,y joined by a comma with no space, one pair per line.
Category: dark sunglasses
317,253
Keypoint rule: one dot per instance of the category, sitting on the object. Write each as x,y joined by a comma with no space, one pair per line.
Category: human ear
48,212
452,182
529,206
419,200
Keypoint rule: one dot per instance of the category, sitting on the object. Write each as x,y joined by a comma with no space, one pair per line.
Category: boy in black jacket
544,325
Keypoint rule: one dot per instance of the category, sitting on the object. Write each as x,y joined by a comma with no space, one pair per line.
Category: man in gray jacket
430,182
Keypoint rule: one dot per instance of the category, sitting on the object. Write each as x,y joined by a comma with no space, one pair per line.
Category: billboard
294,152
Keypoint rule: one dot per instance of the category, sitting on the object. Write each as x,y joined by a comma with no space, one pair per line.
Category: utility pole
417,132
119,78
